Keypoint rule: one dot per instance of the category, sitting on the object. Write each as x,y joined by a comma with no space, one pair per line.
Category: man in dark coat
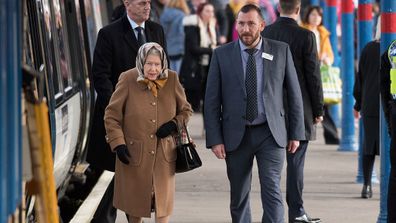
115,52
303,48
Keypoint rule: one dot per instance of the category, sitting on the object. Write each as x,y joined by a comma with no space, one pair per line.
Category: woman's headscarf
143,52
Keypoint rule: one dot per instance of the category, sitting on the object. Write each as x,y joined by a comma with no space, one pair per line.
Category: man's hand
219,151
292,146
318,119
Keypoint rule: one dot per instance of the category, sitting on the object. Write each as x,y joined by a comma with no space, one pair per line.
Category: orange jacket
325,49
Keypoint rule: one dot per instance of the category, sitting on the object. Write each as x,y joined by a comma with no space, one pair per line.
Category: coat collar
237,62
129,35
287,20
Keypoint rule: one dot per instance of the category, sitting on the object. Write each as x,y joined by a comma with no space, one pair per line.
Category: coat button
152,152
131,142
153,120
153,104
152,136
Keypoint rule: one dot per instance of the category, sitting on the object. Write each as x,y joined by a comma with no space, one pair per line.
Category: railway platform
330,190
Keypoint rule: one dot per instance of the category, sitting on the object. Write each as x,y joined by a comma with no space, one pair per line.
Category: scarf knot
153,86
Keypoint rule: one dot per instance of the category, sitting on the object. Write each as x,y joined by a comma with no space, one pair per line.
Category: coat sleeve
294,100
385,86
213,102
192,42
357,88
312,76
101,69
328,49
114,113
184,110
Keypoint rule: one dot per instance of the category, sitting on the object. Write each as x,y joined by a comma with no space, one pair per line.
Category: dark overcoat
367,93
192,74
303,48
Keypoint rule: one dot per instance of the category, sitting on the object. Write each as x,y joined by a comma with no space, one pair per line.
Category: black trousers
329,128
106,212
295,180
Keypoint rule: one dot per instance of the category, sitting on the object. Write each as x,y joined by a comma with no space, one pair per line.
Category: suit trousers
106,212
257,142
295,180
330,131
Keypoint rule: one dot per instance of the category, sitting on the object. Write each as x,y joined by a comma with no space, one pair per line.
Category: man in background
304,51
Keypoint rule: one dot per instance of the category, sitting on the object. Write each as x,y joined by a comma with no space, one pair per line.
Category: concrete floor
330,190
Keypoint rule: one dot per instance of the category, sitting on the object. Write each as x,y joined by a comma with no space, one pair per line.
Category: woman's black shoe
367,191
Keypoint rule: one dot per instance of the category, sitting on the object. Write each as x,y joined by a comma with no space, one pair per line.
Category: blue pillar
315,2
14,143
365,35
348,76
325,17
331,25
3,119
388,34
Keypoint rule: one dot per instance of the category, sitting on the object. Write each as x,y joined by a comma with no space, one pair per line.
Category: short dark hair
251,7
288,6
308,12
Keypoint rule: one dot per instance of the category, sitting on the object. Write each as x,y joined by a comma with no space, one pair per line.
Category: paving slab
330,192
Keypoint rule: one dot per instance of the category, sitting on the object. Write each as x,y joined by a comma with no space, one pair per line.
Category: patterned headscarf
143,52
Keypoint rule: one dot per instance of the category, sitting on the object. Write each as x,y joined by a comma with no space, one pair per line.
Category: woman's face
207,13
314,18
152,67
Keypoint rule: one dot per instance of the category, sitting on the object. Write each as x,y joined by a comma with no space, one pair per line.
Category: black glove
166,129
123,153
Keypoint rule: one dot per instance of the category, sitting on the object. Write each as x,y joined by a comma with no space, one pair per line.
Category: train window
62,45
49,49
91,26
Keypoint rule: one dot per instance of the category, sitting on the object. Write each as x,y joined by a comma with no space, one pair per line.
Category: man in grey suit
248,81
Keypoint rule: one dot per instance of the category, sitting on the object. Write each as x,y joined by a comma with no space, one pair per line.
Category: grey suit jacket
225,101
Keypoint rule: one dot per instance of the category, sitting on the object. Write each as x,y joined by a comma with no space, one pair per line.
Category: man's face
249,26
138,10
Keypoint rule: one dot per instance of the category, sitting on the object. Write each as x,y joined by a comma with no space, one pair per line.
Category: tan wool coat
132,117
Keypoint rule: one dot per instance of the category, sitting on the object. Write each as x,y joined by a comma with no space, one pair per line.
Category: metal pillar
325,17
10,108
365,35
348,75
3,119
388,34
331,25
315,2
14,143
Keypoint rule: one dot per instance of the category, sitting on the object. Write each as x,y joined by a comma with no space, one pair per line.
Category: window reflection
49,46
60,30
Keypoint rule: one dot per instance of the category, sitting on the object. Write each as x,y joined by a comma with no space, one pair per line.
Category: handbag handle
181,132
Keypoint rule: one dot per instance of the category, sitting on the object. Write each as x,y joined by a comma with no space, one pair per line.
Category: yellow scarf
153,86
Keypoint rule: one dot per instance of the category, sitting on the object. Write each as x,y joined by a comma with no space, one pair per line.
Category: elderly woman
144,111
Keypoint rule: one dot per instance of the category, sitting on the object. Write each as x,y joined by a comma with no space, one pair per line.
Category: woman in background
172,21
200,30
313,21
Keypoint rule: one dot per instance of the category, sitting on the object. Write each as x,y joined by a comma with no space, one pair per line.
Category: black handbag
187,156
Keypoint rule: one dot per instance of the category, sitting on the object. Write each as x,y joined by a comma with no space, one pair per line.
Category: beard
249,38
